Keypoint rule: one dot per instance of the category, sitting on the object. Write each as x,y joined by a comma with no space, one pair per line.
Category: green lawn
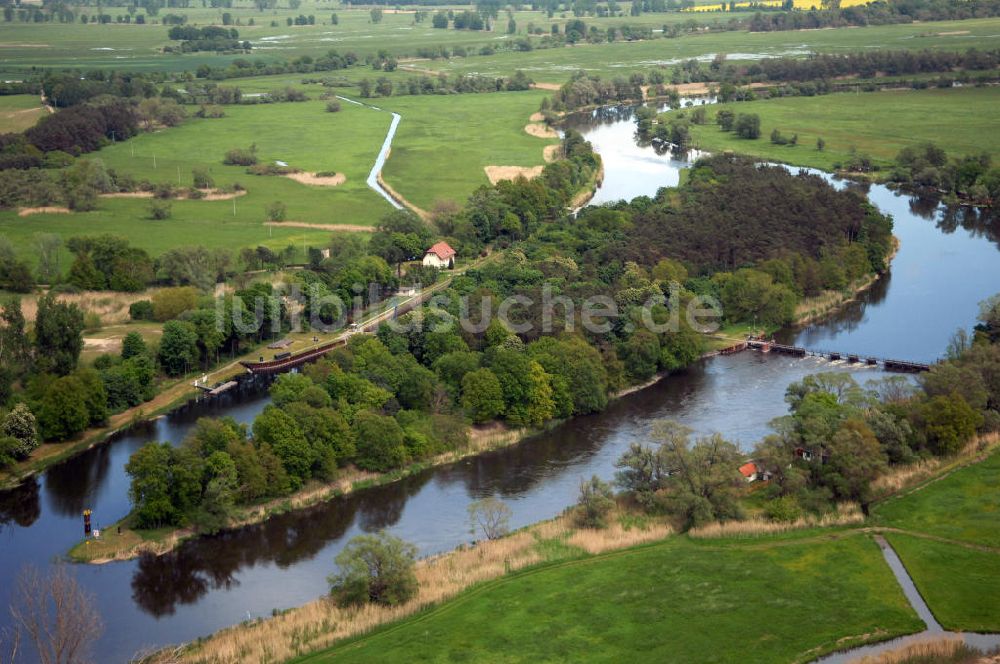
18,112
672,601
961,585
963,506
443,143
876,123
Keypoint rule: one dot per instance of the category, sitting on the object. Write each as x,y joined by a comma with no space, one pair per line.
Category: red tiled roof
748,469
442,251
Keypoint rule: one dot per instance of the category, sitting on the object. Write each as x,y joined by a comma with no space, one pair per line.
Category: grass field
443,143
959,580
963,506
18,112
876,123
959,584
673,601
137,47
622,58
302,134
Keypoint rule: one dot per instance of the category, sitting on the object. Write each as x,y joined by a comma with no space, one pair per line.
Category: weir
766,346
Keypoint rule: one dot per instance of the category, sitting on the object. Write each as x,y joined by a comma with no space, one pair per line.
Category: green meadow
958,575
444,142
622,58
963,506
960,584
18,112
135,47
301,134
954,118
677,600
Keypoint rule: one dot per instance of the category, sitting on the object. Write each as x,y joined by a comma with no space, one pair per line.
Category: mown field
878,123
959,574
443,142
678,600
18,112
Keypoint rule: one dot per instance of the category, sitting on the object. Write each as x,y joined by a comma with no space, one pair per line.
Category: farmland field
953,118
677,600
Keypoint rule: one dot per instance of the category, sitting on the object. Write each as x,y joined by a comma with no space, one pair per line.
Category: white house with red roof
441,256
749,471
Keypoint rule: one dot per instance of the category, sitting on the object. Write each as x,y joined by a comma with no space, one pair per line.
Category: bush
276,211
159,210
784,509
202,179
375,569
595,502
141,310
240,157
333,106
748,126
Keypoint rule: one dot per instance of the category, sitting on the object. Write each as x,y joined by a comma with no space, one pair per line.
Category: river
946,264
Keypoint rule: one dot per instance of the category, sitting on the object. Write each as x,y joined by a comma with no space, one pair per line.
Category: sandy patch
551,153
546,86
688,89
208,195
952,32
342,228
540,130
217,195
537,117
25,46
497,173
102,345
313,179
47,209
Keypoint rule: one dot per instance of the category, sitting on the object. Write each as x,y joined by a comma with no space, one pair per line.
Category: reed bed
617,536
846,514
945,650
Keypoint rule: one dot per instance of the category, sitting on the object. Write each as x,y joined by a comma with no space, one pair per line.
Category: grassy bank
892,119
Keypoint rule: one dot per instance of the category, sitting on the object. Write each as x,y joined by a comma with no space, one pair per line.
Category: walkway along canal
213,582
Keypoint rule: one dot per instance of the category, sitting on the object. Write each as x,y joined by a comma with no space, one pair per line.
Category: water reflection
20,506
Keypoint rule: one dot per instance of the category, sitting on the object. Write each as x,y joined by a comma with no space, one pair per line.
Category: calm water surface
947,263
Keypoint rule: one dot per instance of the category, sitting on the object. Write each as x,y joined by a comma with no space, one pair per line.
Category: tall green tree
58,335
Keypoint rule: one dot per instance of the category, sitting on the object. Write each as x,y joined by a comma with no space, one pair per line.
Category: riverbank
120,541
474,574
814,309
